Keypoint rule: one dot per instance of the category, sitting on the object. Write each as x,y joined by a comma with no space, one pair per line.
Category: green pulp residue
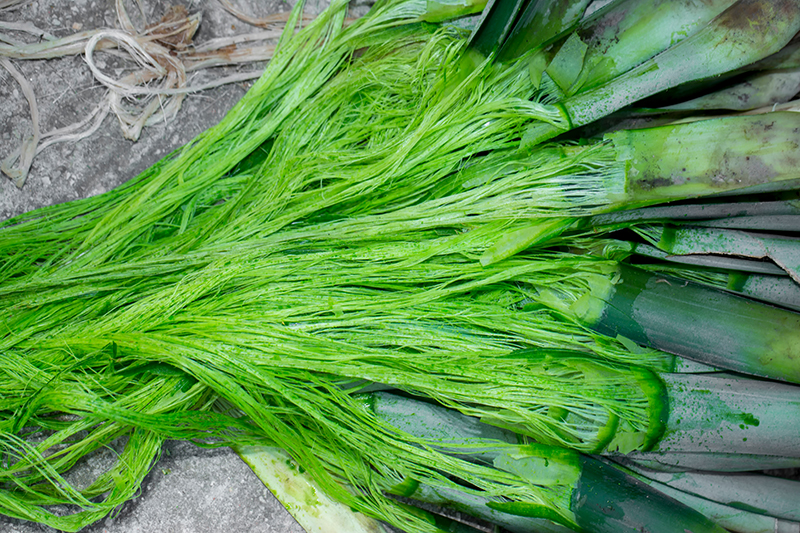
749,420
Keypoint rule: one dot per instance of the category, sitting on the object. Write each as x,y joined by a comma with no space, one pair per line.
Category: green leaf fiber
327,234
280,356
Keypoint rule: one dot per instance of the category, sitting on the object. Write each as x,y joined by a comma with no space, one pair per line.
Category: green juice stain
750,420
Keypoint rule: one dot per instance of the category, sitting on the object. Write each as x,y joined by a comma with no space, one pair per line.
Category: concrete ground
66,92
191,490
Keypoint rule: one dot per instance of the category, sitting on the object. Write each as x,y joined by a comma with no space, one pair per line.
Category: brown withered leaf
176,28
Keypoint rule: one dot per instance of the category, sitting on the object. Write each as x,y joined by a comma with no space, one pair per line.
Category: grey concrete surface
66,92
191,490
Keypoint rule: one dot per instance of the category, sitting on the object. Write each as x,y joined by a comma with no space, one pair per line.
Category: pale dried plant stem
160,81
271,20
124,20
23,156
72,133
9,4
26,27
66,46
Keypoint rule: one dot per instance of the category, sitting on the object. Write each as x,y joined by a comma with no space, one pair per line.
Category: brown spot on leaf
745,14
654,182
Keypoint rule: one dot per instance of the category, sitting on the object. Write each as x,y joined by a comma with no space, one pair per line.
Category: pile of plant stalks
380,263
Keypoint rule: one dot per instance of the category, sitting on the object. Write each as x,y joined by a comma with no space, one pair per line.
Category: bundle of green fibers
345,228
